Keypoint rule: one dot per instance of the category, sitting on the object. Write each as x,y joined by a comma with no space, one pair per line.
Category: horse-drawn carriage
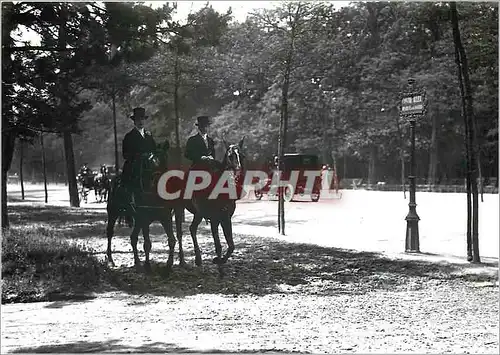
99,181
298,164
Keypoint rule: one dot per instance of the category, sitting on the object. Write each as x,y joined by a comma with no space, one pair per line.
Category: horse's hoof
217,260
182,263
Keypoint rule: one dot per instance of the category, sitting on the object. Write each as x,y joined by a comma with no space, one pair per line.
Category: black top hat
138,112
202,121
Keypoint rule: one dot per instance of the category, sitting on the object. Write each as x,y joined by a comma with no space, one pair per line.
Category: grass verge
38,264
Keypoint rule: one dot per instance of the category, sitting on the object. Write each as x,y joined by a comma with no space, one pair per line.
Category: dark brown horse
219,211
149,208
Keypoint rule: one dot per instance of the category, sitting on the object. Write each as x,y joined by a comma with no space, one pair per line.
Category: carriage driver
104,170
137,143
85,170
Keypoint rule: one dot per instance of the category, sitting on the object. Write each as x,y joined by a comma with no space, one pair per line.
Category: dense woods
340,71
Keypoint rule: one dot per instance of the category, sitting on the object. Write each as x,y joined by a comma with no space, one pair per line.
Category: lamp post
412,108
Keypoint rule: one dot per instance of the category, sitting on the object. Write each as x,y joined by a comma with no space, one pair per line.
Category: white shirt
141,131
205,138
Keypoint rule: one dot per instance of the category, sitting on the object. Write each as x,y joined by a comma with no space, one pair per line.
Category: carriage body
298,163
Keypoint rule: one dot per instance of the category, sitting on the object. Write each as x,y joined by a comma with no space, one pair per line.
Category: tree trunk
68,141
480,172
326,143
433,161
178,152
8,144
344,173
372,166
71,170
282,139
467,159
117,155
44,168
177,120
471,136
281,201
21,157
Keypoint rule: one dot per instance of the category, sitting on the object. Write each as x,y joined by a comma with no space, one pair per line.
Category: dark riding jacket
134,145
196,148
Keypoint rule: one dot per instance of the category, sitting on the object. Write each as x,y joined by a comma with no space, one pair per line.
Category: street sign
412,104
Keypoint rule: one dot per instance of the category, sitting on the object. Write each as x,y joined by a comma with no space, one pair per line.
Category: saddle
137,184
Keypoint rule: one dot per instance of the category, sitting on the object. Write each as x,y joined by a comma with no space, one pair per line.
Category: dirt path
274,296
440,319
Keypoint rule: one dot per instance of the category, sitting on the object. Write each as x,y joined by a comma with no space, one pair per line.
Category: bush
38,263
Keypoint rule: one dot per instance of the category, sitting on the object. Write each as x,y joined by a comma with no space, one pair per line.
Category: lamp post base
412,236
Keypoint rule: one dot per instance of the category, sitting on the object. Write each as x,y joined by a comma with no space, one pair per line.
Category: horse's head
234,157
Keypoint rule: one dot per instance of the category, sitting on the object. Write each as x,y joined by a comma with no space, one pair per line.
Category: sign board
412,104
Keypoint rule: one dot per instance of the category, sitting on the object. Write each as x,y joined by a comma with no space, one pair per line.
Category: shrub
38,262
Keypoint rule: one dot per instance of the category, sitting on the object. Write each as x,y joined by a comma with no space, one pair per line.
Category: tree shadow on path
267,266
258,266
113,346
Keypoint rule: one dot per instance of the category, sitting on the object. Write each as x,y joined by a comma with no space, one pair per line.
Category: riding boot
132,201
196,203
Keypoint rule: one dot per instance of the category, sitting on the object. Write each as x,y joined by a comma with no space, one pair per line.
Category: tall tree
44,80
287,28
472,149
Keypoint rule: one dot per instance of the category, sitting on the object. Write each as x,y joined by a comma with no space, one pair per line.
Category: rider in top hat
200,147
138,142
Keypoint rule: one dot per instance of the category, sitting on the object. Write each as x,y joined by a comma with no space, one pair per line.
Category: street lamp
412,108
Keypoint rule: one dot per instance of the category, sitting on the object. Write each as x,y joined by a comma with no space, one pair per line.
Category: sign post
412,108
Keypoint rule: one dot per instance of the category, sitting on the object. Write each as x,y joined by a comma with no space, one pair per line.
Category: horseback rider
200,148
137,144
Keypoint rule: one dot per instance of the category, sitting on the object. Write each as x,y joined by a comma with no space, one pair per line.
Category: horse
218,211
149,208
102,185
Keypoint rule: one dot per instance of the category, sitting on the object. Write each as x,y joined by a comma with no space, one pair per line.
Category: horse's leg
214,225
193,228
147,244
178,230
167,226
109,233
227,228
134,237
